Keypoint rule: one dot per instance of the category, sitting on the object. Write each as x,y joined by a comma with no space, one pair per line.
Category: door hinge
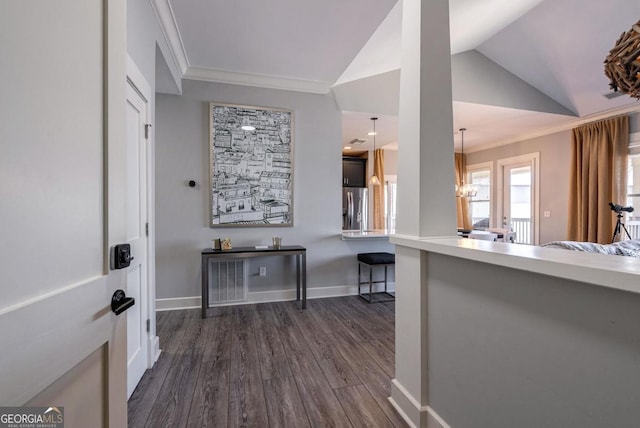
148,325
146,228
147,126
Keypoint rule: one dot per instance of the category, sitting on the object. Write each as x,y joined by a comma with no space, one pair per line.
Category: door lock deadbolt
121,256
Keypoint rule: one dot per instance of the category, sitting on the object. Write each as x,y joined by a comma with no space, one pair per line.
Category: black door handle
120,302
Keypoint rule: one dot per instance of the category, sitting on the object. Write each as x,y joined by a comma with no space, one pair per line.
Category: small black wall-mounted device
192,183
121,256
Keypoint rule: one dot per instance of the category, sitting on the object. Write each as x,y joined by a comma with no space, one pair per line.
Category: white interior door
137,272
62,171
518,197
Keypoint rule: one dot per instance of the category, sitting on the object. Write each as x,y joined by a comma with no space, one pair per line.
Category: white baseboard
411,411
195,302
401,412
154,347
176,303
434,420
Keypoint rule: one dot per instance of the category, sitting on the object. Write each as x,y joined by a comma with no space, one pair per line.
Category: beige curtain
599,153
378,191
462,204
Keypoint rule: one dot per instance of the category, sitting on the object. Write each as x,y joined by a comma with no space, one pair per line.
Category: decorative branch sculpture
622,65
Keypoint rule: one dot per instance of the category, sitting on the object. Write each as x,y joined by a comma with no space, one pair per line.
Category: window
390,192
480,205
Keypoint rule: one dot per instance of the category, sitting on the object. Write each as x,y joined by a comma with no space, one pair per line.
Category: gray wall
182,213
477,79
516,349
634,122
143,36
141,31
555,152
555,156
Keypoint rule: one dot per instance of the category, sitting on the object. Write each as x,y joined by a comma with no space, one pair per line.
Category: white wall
182,213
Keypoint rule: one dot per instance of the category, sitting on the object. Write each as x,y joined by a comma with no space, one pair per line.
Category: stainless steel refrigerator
355,208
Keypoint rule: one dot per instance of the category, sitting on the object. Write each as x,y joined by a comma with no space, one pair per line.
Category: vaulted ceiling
519,68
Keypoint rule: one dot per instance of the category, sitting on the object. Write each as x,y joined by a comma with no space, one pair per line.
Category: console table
298,251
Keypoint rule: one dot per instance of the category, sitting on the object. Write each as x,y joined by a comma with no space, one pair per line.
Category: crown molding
257,80
559,128
169,27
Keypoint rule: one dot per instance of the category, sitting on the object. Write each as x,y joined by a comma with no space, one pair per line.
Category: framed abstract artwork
251,166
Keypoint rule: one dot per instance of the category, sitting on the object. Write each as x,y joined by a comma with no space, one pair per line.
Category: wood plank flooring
272,365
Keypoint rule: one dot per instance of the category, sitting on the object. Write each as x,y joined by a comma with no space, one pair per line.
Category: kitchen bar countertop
608,271
367,234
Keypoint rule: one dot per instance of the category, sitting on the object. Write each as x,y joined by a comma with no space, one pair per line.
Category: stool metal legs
369,298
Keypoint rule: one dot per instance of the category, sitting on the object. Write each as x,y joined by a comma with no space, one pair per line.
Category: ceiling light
248,128
347,147
465,190
372,133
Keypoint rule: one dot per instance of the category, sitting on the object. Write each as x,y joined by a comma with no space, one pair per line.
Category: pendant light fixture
374,181
465,190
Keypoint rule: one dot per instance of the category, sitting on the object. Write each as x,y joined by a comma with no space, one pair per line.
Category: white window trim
634,143
534,160
483,166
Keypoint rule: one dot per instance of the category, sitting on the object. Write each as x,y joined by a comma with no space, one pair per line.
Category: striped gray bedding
630,248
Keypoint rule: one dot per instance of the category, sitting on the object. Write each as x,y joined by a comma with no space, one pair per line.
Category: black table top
270,249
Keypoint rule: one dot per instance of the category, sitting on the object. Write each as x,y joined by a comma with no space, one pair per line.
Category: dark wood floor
272,365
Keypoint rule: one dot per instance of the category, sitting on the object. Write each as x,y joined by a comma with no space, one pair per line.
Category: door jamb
140,84
534,160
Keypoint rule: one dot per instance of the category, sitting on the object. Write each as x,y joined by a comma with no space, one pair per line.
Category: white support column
426,199
426,177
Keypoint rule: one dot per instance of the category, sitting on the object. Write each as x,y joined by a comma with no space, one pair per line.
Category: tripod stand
616,231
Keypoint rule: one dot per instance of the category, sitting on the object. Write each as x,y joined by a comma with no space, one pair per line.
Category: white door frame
533,159
140,84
